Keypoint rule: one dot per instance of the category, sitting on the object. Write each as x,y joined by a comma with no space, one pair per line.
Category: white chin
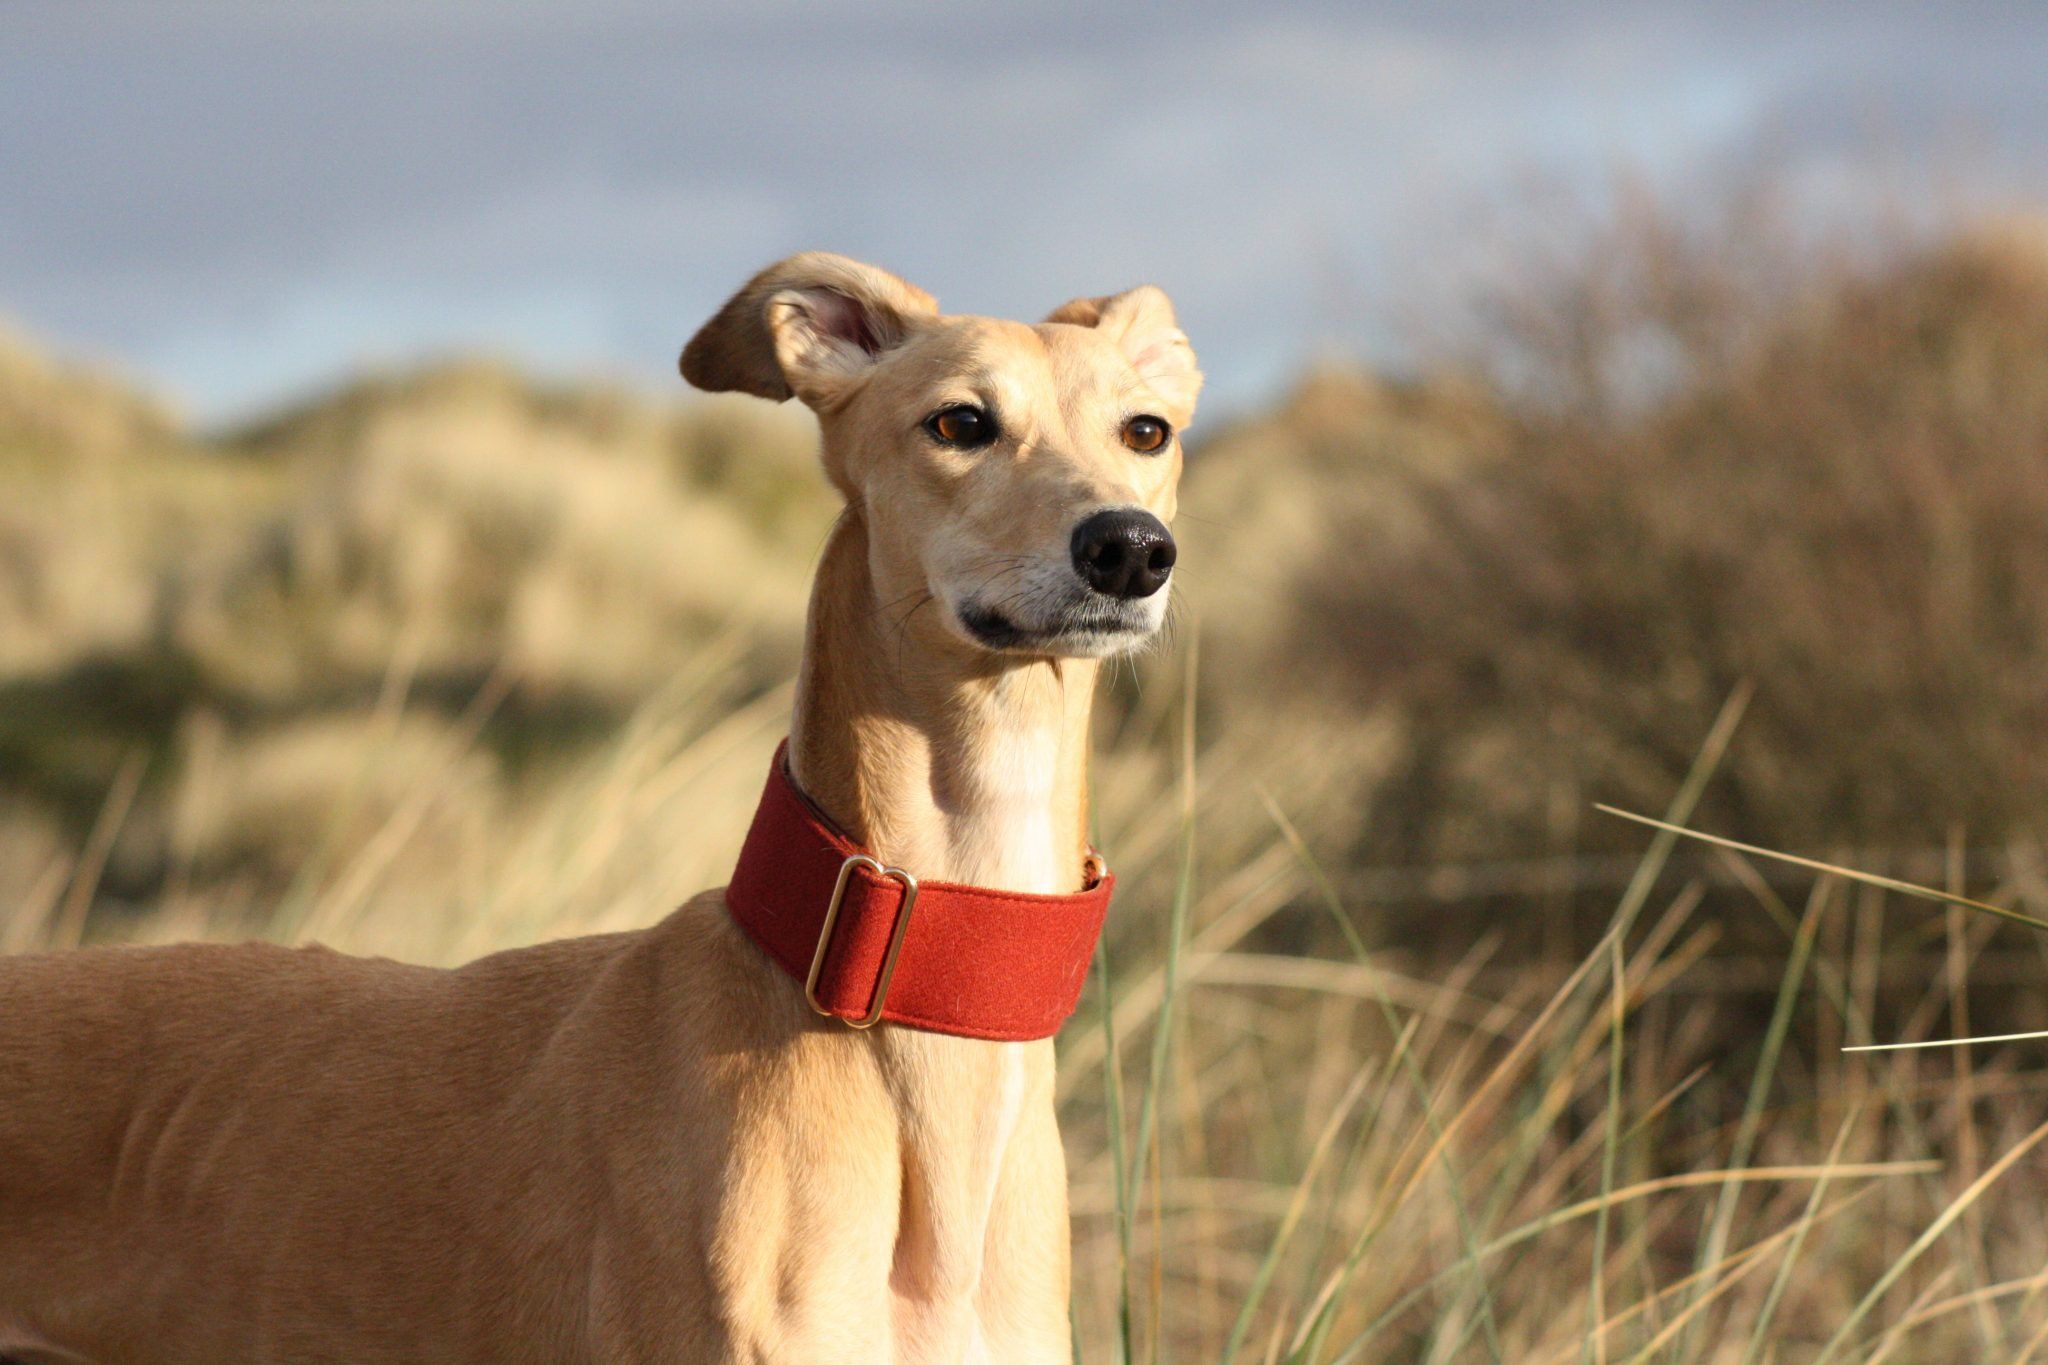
1097,644
1072,639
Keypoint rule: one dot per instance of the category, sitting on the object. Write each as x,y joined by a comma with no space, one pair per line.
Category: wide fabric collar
872,943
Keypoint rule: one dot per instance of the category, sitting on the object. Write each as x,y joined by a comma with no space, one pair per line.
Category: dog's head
1023,476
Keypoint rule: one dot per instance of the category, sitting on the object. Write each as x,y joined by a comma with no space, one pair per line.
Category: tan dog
645,1146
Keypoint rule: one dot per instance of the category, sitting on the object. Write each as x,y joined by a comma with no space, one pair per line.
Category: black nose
1124,552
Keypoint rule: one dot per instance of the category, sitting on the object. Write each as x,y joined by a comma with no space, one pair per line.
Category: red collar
970,961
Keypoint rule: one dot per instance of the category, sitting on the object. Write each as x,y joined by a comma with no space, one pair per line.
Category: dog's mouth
1081,630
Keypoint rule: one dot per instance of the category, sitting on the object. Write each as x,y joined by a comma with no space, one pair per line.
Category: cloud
241,197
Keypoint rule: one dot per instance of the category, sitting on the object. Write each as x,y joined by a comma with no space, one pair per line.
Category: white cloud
241,196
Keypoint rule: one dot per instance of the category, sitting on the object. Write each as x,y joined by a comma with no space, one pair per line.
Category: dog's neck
959,766
954,763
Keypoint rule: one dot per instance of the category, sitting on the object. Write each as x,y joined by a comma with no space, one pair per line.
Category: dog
684,1143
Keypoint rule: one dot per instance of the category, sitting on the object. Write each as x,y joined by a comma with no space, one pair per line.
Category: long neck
954,763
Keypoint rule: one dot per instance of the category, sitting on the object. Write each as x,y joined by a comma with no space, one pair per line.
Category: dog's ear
805,326
1140,321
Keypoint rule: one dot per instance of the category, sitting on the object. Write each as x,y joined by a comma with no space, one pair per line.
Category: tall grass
1337,1174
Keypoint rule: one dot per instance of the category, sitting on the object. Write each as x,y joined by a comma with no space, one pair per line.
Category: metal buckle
896,933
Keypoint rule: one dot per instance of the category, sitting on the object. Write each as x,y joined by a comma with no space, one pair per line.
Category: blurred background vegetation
448,659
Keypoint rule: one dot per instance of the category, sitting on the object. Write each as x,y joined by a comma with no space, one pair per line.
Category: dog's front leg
1023,1298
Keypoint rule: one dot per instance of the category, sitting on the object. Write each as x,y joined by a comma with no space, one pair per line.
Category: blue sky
239,201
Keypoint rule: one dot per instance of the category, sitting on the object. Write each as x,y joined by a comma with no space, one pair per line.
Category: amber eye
1147,435
962,425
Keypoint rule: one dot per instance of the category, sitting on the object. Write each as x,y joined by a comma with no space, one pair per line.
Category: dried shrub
1833,483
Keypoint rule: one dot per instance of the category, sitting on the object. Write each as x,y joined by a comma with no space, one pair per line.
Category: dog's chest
951,1248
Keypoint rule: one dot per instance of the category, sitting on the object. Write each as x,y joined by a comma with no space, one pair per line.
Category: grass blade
1595,1346
1762,1326
1926,893
1947,1042
1723,1221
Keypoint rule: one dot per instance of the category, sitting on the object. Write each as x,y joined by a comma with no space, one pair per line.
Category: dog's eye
1147,435
962,425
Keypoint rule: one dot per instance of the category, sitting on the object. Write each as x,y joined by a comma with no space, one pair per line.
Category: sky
240,201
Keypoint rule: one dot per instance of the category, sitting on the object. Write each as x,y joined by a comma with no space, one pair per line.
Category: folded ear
806,326
1140,321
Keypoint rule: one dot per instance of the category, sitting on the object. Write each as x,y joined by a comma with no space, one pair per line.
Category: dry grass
285,625
445,662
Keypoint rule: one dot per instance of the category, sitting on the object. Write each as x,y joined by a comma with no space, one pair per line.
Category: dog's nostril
1124,552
